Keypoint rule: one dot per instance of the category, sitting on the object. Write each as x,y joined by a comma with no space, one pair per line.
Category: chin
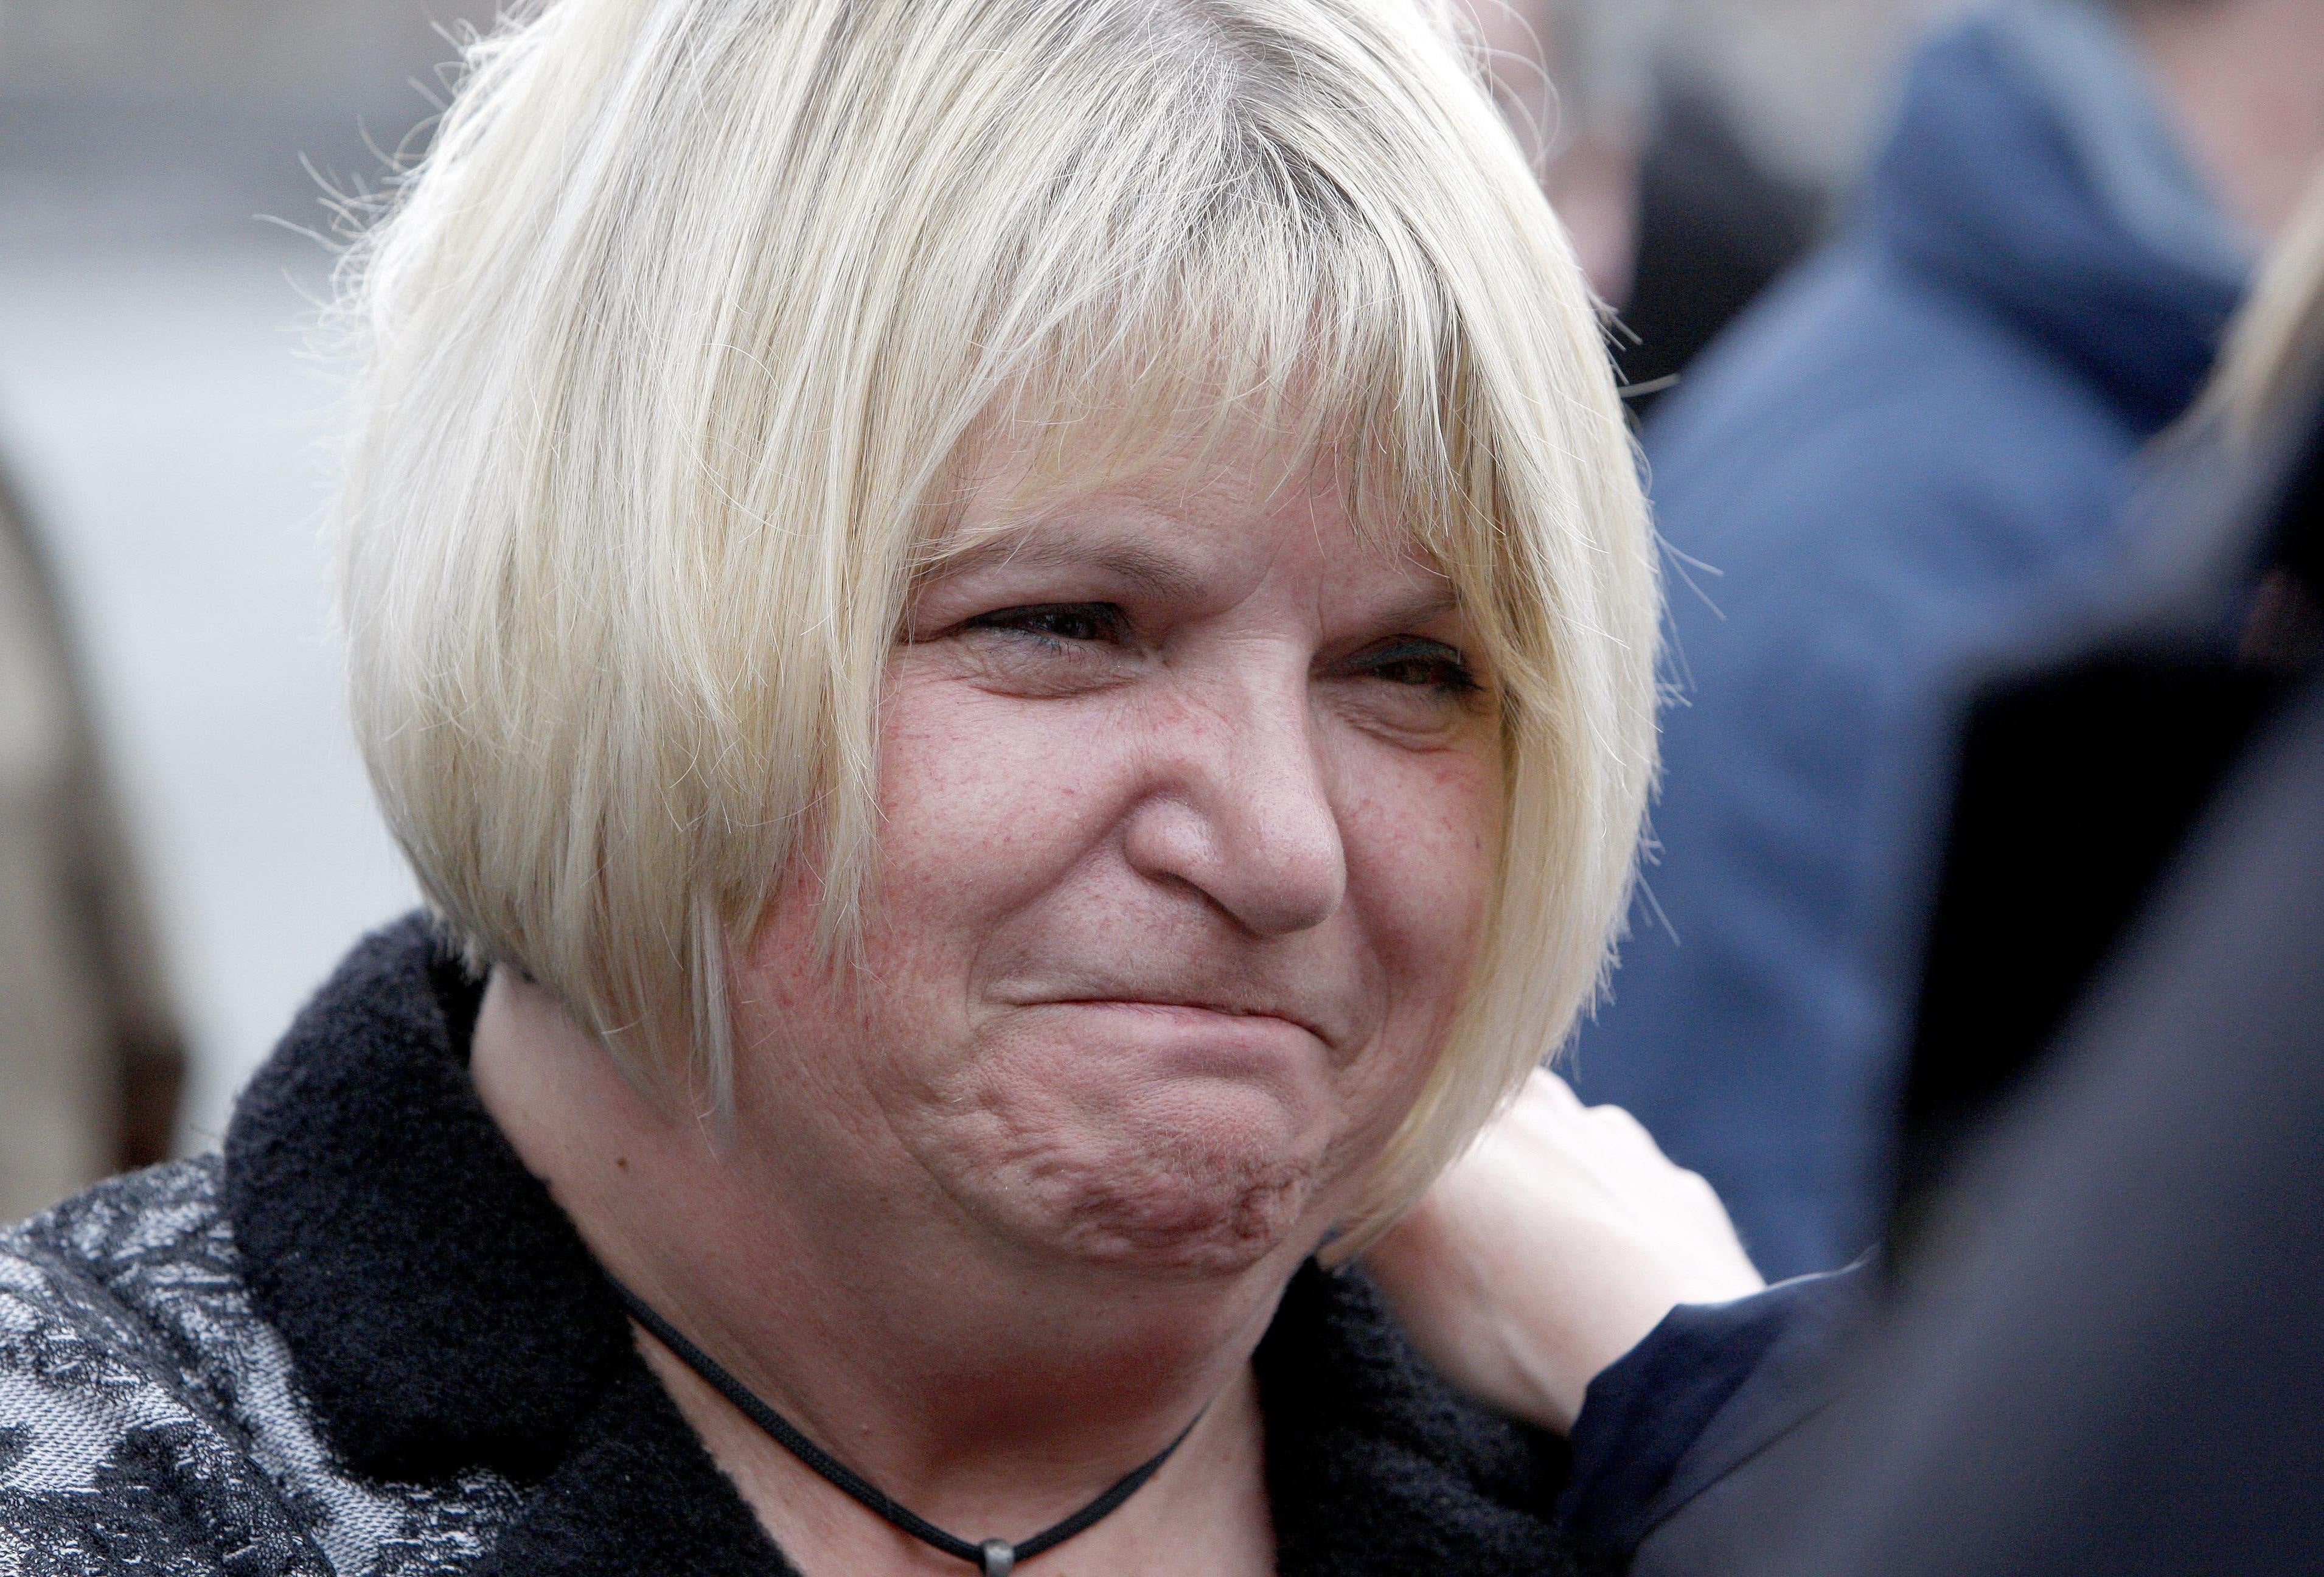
1182,1187
1188,1209
1192,1157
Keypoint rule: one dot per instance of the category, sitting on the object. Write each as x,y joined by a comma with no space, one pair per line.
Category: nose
1241,810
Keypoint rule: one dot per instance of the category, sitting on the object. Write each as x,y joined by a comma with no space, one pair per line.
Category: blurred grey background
165,432
159,162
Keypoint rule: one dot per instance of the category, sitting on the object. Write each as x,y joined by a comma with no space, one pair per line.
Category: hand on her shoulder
1551,1249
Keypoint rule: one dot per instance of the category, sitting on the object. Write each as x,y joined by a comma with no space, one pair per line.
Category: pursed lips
1102,998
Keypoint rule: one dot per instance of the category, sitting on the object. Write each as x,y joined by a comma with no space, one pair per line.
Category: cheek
1424,844
976,821
984,804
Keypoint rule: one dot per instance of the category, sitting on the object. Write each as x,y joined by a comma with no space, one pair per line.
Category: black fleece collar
444,1316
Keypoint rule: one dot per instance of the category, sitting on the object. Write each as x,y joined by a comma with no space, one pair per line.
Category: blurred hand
1550,1249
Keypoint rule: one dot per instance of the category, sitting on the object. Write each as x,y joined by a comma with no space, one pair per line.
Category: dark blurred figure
91,1065
2104,1355
1912,456
1716,227
1678,223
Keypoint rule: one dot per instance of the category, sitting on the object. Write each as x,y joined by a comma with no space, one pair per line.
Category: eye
1059,623
1412,662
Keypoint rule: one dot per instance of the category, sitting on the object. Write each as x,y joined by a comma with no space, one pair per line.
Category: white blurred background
166,432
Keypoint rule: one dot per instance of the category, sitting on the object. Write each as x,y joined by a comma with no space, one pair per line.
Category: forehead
1185,525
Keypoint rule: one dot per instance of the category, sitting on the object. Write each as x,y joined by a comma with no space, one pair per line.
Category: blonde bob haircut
681,342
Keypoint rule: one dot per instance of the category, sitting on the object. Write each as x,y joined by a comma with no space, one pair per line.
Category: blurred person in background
90,1058
1679,224
1717,226
2102,1355
1913,456
2098,1353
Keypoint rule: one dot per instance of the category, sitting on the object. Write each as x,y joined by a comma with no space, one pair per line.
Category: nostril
1301,871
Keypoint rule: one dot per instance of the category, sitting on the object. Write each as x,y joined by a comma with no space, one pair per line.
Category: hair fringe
681,342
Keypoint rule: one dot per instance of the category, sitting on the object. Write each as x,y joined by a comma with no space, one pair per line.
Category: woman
1013,640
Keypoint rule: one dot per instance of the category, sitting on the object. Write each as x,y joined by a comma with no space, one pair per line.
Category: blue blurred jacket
1912,456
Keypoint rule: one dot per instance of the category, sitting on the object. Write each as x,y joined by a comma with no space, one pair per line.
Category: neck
991,1389
2240,77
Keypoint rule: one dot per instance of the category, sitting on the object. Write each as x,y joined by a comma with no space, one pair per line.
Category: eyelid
1111,616
1115,626
1457,678
1411,645
1406,649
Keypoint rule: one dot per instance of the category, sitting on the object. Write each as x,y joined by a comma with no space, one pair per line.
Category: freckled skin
1179,887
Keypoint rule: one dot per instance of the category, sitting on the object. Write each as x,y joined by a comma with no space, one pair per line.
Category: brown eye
1058,621
1416,664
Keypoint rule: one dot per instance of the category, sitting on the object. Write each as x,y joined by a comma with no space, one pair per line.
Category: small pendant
1000,1557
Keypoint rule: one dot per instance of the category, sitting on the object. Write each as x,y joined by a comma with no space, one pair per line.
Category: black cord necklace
994,1557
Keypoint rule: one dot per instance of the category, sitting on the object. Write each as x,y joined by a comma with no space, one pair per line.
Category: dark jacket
366,1340
2102,1357
1910,459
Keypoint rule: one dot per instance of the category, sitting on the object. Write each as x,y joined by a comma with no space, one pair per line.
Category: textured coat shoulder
150,1419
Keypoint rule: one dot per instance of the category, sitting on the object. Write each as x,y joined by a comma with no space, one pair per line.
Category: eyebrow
1420,610
1152,573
